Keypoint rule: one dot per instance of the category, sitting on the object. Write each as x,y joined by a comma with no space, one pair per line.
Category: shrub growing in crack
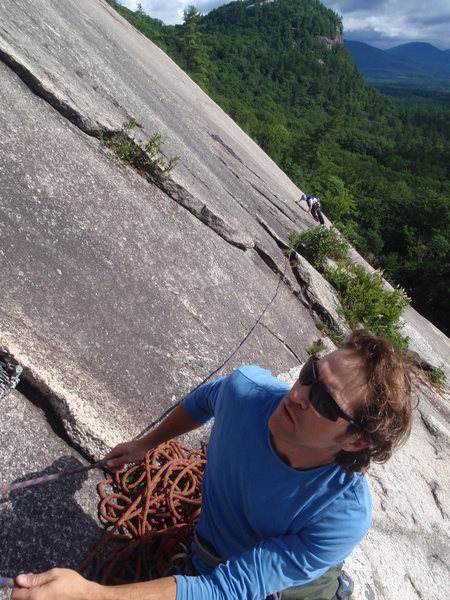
318,244
365,300
321,326
314,349
147,159
363,296
336,335
437,376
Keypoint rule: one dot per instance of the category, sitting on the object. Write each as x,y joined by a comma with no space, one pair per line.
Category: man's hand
56,584
125,453
64,584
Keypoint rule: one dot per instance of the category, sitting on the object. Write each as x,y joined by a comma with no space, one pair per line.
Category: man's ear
354,443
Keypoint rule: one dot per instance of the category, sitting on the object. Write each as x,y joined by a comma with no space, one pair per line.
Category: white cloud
383,23
387,23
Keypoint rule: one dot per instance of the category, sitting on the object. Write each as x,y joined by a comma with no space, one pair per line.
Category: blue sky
381,23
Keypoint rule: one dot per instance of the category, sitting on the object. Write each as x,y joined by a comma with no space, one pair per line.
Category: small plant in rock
148,158
314,349
153,150
437,376
365,300
321,326
336,335
318,244
333,332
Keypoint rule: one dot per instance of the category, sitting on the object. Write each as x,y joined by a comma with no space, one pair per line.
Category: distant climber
314,207
284,495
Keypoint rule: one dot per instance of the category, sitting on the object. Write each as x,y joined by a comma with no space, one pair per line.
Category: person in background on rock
314,207
284,498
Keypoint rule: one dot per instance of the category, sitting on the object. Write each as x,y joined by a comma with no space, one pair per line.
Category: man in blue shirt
284,497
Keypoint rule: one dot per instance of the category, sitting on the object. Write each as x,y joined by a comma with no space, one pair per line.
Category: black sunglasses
320,397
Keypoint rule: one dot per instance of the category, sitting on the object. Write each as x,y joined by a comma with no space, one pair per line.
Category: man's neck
303,458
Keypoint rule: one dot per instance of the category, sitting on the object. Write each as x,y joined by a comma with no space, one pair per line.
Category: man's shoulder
258,376
253,375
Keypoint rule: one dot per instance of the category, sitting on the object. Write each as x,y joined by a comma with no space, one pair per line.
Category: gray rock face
119,295
114,290
320,295
407,551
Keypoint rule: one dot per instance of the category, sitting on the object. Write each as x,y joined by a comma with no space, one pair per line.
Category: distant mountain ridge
415,63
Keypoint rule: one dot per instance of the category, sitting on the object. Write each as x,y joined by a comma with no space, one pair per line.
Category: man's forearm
159,589
175,424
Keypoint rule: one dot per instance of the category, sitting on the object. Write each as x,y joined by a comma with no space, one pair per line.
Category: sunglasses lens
319,396
323,402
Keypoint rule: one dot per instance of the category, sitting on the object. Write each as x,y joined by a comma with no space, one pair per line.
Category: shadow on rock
44,526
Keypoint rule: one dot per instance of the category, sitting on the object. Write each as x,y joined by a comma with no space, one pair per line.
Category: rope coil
150,511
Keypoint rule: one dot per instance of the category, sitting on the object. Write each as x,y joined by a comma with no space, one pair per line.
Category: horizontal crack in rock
175,191
36,86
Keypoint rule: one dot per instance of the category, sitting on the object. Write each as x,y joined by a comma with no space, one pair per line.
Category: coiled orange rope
150,511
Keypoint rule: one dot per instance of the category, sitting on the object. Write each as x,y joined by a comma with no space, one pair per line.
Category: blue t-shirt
275,526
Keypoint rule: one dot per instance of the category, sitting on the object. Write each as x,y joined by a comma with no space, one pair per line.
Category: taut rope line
7,489
227,360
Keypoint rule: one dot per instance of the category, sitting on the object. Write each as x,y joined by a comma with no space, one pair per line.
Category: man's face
304,438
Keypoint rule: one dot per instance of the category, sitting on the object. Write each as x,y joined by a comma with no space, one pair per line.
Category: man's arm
175,424
199,409
64,584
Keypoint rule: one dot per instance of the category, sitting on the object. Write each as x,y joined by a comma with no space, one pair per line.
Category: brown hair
385,415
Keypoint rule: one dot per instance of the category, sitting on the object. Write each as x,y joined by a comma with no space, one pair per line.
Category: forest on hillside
379,163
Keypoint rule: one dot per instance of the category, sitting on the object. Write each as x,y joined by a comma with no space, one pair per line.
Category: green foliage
314,349
156,159
193,48
366,301
336,335
332,331
318,244
437,376
148,158
321,326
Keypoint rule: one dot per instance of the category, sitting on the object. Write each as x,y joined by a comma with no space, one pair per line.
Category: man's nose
300,396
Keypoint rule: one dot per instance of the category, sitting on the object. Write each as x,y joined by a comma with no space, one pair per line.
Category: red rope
149,511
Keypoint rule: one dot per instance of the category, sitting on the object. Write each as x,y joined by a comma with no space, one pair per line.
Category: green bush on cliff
148,158
364,297
365,300
318,244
